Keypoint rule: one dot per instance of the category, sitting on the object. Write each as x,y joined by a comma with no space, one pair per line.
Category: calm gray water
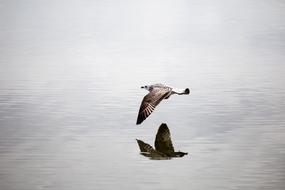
70,77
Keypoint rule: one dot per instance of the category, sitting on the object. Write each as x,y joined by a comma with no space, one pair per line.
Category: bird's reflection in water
164,149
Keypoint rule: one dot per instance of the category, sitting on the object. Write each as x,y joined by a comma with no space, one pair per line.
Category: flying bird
157,93
163,146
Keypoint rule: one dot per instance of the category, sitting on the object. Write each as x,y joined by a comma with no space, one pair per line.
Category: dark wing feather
144,147
163,140
148,150
150,101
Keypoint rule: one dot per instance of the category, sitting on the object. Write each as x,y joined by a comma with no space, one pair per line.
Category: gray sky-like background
70,77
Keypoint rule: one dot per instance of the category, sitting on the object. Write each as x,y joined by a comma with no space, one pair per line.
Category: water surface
70,77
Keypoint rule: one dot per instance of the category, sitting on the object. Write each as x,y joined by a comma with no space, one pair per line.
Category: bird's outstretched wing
150,101
144,147
148,151
163,140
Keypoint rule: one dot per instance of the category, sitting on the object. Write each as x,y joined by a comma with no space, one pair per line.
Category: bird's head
146,87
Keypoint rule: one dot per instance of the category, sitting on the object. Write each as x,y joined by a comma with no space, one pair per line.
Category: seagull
157,93
163,145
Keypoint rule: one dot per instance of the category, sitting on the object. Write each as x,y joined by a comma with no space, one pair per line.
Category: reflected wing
150,101
163,140
144,147
148,151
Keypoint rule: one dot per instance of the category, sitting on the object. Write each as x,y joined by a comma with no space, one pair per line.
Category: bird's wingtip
139,121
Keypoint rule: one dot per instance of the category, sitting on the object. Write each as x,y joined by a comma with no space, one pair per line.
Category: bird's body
163,145
157,93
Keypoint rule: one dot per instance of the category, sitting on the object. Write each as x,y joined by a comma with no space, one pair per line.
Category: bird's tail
181,91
